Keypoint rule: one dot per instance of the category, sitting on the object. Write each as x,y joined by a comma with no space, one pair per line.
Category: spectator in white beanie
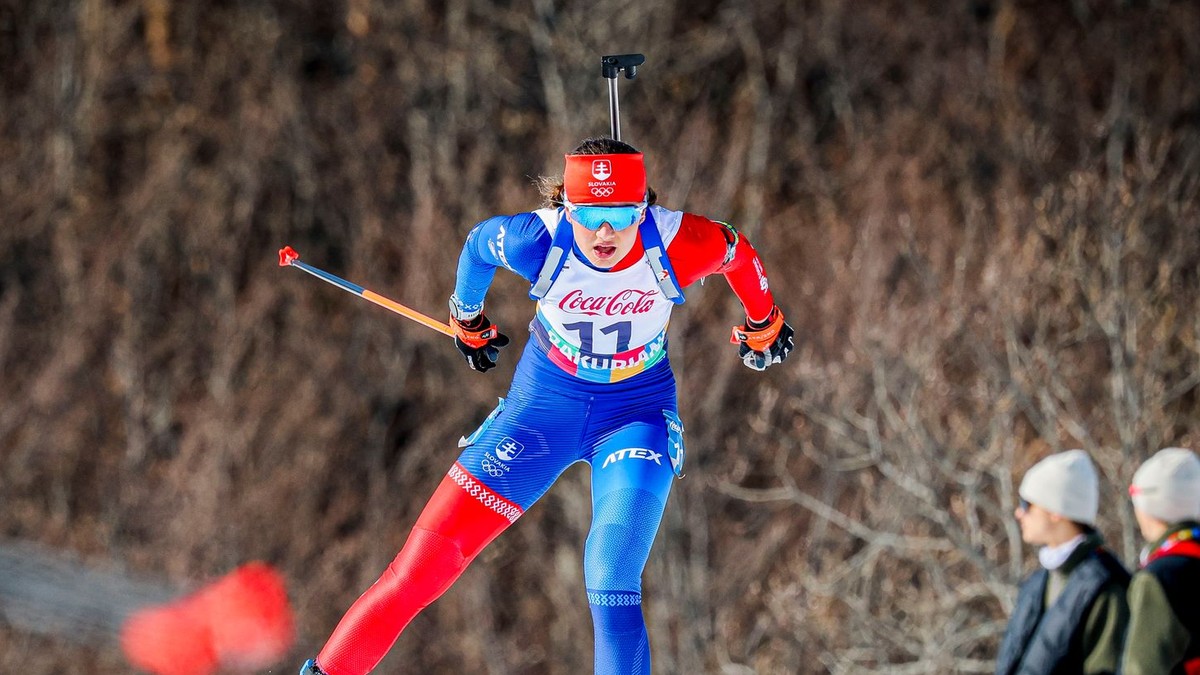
1071,614
1164,596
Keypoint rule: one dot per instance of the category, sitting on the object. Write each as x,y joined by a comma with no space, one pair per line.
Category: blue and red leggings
548,422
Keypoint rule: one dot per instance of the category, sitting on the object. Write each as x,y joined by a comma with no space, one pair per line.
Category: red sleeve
702,247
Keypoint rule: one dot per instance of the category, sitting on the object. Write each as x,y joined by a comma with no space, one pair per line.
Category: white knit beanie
1065,483
1167,486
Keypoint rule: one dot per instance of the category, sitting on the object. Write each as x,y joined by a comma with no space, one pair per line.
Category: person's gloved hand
479,340
763,345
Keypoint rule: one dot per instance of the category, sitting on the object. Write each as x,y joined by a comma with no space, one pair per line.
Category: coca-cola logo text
629,301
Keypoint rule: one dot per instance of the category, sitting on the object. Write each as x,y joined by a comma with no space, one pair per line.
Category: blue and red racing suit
594,385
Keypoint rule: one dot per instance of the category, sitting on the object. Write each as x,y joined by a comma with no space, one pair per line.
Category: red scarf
1183,542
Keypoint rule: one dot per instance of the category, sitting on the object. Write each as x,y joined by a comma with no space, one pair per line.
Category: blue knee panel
624,523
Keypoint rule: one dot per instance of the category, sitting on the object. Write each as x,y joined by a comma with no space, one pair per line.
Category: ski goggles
592,218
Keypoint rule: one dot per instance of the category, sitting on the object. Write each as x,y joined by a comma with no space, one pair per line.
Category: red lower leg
460,519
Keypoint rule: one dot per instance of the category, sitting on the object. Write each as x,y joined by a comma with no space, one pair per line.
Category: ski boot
310,668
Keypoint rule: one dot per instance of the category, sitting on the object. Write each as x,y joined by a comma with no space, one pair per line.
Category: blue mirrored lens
594,217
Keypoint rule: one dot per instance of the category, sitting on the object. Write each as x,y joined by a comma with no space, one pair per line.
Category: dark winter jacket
1164,606
1081,630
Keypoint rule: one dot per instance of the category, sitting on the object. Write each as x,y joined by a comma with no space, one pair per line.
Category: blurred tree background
982,218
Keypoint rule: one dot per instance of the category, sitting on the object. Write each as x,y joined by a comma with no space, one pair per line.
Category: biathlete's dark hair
551,187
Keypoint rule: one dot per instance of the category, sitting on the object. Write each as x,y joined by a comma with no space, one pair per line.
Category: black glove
480,342
761,345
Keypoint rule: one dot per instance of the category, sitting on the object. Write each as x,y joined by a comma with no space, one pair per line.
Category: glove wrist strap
475,323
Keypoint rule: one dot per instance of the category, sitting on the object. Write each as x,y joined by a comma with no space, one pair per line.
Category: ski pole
289,257
610,67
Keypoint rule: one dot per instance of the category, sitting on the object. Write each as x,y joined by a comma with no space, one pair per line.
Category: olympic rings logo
602,191
492,470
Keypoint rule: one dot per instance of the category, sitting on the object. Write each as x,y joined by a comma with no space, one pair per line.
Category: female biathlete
606,265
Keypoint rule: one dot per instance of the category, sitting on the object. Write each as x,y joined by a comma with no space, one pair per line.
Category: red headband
598,179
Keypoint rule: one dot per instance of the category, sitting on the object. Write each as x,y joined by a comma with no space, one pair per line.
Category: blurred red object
242,622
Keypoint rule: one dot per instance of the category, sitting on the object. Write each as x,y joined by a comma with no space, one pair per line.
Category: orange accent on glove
758,339
475,333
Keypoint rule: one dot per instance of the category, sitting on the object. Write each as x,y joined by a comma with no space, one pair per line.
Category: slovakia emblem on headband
601,169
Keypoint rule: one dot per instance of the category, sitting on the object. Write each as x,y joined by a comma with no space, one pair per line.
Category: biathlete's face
605,233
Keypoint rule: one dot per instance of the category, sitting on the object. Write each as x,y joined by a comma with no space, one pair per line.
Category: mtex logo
633,453
508,449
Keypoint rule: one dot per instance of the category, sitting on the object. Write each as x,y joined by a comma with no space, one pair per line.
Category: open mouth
604,252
